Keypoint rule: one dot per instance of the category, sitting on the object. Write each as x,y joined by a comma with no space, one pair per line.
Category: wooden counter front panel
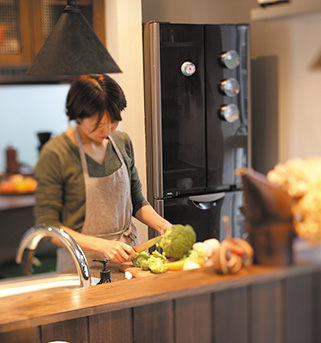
193,319
286,310
316,300
74,330
299,309
230,316
29,335
267,312
111,327
154,323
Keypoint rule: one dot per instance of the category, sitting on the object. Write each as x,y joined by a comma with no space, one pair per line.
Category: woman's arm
150,217
49,192
113,250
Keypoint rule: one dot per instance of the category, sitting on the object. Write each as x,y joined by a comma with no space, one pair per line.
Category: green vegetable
154,262
141,261
178,242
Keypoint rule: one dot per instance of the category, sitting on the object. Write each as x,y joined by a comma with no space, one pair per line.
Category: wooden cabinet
260,305
25,24
15,32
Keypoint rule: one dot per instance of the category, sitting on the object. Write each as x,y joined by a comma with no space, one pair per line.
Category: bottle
12,166
105,273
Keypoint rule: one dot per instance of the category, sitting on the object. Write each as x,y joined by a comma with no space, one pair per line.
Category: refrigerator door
175,116
226,103
204,213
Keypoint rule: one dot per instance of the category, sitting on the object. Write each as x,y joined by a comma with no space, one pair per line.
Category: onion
190,265
213,243
203,249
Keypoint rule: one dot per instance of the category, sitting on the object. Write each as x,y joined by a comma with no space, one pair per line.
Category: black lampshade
72,49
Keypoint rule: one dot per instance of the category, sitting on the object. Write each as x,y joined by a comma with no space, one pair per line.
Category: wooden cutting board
136,272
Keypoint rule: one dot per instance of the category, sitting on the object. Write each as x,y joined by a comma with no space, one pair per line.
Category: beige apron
108,211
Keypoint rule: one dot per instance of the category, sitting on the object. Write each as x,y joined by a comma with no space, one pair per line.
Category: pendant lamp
72,49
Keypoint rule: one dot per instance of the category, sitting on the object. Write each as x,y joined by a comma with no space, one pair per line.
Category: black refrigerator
197,111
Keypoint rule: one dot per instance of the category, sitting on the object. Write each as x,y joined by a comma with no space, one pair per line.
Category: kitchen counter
261,304
8,202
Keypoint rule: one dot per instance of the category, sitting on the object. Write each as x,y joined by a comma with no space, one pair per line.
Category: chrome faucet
34,235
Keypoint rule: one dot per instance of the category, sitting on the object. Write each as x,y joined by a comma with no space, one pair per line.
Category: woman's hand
167,226
117,251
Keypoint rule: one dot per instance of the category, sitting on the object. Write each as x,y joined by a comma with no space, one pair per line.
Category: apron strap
120,156
82,153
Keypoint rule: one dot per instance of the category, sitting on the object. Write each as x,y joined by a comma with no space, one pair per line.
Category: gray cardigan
60,194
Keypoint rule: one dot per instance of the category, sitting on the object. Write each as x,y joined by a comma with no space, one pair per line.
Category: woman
87,180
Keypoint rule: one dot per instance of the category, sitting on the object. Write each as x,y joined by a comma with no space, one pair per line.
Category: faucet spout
34,235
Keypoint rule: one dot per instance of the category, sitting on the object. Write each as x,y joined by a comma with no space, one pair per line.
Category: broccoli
141,261
178,242
154,262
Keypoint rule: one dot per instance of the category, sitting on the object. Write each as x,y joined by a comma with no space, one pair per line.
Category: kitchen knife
147,244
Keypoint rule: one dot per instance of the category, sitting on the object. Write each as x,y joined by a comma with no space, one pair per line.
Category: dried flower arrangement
301,179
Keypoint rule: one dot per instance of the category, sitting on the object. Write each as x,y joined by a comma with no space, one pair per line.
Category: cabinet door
226,138
183,108
16,46
48,12
25,25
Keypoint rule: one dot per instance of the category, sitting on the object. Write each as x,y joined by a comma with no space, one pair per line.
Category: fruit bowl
18,185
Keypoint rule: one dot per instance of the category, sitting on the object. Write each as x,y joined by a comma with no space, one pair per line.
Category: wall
295,44
124,32
285,103
26,110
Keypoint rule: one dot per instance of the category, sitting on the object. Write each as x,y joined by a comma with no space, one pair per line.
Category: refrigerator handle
206,201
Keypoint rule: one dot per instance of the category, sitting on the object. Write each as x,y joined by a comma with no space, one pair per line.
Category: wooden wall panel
317,307
230,315
74,331
154,323
29,335
266,313
193,319
111,327
299,309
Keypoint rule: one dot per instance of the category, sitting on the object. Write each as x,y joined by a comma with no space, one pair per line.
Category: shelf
286,10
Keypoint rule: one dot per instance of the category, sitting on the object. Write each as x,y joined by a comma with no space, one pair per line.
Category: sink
40,283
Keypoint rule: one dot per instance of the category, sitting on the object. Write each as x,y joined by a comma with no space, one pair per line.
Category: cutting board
136,272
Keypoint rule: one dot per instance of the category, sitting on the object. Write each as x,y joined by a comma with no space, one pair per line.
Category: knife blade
143,246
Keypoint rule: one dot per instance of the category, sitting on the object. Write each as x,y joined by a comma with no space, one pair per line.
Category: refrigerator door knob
188,68
206,201
230,87
230,59
230,113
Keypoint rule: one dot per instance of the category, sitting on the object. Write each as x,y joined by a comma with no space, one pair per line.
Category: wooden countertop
8,202
47,308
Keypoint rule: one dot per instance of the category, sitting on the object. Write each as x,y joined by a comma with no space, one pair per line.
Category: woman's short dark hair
95,94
